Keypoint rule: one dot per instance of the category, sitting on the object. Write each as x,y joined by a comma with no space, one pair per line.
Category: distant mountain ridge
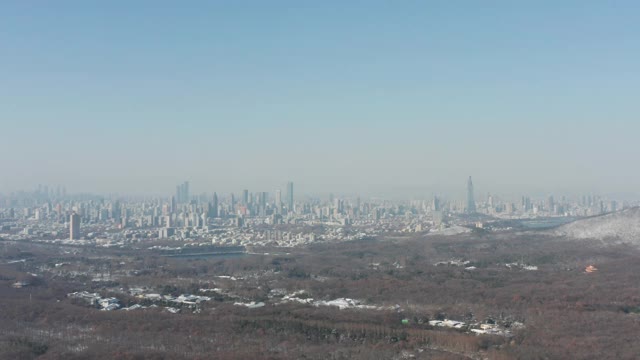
613,228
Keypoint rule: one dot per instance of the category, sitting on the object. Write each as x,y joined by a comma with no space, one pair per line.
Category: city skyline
287,200
258,215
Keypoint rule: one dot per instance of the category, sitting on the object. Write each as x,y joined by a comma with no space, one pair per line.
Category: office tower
338,205
182,193
436,204
214,206
471,203
279,201
263,199
245,197
115,210
74,226
290,196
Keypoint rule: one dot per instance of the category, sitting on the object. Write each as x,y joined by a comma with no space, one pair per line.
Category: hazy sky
384,97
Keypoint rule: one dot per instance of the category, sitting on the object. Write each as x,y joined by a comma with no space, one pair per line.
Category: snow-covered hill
614,228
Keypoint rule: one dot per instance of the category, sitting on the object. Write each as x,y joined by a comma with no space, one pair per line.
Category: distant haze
380,98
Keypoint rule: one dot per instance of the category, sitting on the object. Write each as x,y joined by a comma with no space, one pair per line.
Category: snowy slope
619,227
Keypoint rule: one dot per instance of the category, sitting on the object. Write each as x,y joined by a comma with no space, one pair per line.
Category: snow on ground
301,296
619,227
345,303
251,305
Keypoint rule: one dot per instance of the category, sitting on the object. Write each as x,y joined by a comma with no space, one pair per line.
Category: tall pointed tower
471,202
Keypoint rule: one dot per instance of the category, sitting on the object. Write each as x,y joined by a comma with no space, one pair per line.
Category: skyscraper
263,199
182,193
279,201
245,197
290,196
74,226
174,205
436,203
471,202
214,206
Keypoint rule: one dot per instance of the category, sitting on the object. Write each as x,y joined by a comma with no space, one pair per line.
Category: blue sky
380,97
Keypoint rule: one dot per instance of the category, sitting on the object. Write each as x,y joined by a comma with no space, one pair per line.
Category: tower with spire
471,202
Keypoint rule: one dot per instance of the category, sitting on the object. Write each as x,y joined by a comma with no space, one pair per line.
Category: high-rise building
262,203
436,204
471,202
74,226
263,199
205,219
214,206
279,201
182,193
290,196
245,197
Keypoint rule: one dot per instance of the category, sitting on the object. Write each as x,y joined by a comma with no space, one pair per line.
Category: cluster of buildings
94,299
489,327
171,303
259,218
